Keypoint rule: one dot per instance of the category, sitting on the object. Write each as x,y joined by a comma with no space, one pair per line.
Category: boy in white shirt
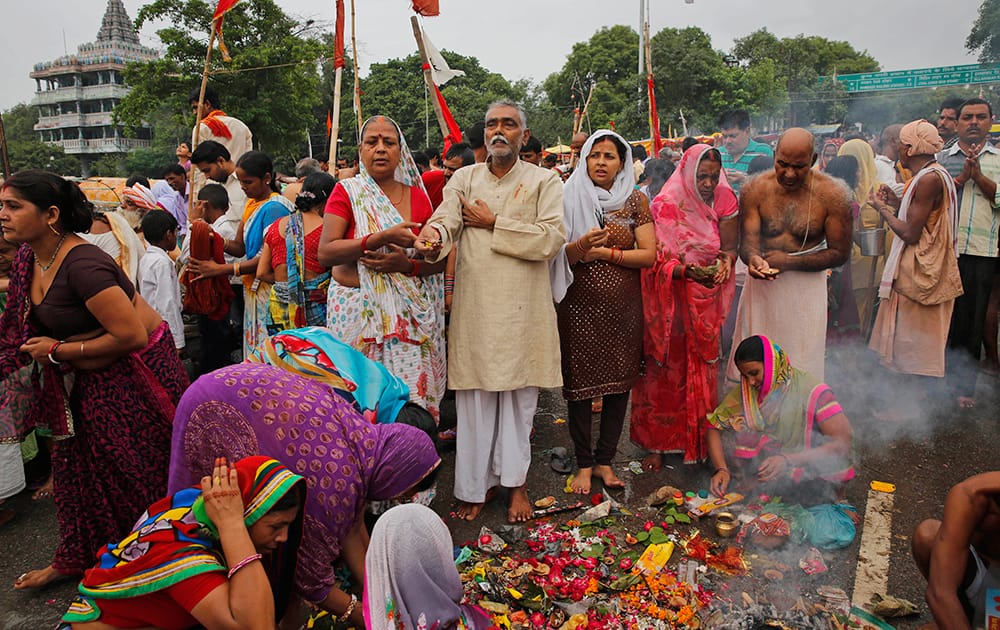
158,283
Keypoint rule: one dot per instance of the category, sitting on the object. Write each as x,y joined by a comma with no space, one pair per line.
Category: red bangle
416,268
53,347
364,242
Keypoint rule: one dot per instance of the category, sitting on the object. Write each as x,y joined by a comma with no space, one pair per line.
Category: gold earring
52,226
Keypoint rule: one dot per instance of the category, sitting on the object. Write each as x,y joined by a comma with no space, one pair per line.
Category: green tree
795,65
27,151
396,89
692,77
984,38
607,61
272,83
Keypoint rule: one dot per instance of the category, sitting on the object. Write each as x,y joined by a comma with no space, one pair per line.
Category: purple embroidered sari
253,409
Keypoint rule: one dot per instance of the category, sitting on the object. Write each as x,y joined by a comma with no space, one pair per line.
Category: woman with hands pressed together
383,299
686,298
609,234
206,556
84,356
265,205
790,431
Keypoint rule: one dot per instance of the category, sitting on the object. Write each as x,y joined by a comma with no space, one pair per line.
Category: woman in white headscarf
410,577
609,238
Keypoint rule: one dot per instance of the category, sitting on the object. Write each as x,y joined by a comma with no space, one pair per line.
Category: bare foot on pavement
39,578
581,482
520,509
470,511
965,402
608,477
45,491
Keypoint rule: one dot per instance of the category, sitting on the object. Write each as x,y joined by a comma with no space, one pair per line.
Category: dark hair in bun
315,191
45,189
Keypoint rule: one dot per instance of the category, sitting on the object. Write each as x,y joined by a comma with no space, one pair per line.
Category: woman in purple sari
253,409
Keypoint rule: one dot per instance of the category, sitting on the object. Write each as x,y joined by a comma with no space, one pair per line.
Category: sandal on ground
560,461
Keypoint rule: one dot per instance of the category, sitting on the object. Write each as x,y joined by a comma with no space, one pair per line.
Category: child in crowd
158,282
220,334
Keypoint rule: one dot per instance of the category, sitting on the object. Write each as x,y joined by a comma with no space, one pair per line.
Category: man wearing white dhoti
505,216
795,223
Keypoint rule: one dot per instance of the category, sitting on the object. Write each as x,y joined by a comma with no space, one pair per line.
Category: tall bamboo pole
338,78
428,78
197,116
354,60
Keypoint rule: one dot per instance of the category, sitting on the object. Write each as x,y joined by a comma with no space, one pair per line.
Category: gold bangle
236,269
82,343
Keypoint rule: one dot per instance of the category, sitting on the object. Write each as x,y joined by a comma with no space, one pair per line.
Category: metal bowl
726,524
872,241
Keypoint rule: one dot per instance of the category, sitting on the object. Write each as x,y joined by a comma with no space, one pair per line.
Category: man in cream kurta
505,217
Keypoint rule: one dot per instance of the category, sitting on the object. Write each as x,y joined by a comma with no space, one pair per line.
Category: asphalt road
923,457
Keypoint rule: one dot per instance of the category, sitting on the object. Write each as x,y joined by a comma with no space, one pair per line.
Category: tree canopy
984,38
27,151
272,83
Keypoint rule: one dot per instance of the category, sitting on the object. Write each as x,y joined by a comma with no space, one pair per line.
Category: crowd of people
335,314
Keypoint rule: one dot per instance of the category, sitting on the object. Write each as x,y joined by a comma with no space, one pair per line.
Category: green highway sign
922,78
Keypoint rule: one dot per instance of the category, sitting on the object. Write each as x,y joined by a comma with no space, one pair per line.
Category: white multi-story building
76,94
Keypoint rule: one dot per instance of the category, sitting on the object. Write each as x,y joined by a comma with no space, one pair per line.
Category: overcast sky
531,38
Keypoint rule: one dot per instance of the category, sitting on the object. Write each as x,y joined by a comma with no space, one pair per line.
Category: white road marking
872,575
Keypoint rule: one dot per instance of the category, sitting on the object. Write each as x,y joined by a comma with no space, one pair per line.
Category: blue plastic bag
830,526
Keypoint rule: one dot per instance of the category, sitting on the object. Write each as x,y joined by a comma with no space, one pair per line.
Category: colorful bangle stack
449,284
364,243
416,268
617,256
242,563
52,350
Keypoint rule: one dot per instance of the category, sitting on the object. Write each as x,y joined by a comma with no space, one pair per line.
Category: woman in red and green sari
217,556
789,427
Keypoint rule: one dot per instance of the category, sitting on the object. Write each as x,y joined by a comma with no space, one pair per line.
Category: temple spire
116,25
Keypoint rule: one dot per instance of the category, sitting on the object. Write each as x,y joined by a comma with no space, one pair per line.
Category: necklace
809,212
397,201
55,253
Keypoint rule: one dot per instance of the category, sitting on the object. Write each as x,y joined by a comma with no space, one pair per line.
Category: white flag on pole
440,72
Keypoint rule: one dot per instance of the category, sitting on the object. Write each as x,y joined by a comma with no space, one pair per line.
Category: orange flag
426,8
220,12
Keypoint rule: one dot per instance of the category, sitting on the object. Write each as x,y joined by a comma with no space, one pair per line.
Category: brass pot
726,524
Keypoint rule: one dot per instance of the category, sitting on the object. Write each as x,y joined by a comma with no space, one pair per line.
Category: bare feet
608,477
520,509
470,511
652,462
965,402
45,491
597,405
581,482
39,578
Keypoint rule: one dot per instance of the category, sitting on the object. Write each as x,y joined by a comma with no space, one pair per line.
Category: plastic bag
831,527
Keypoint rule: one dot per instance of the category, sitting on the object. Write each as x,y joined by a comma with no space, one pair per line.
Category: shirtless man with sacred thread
795,223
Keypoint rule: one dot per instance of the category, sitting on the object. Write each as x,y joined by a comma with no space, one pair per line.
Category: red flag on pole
454,131
654,119
338,37
427,8
220,12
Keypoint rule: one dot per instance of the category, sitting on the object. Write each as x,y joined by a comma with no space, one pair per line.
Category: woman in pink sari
686,297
